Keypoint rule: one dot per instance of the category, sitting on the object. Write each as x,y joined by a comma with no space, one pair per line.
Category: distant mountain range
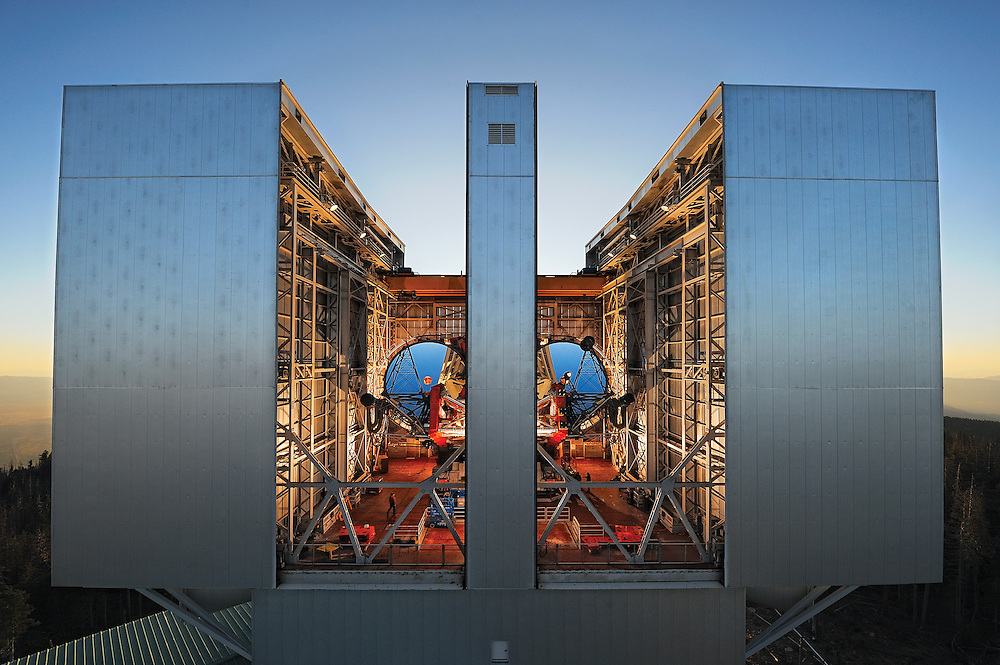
26,411
25,418
972,398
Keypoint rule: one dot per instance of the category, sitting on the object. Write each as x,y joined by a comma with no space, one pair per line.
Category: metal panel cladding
580,626
164,405
833,320
500,421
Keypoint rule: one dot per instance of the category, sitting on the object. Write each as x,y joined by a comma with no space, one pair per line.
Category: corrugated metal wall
500,420
682,626
833,319
163,418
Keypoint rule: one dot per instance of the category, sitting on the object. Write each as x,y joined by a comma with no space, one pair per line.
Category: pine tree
15,618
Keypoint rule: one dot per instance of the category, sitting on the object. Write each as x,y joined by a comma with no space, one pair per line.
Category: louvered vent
502,133
501,90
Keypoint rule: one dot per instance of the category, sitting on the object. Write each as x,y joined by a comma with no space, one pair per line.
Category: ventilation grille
502,133
501,90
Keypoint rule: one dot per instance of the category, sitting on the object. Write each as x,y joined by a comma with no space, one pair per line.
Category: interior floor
435,546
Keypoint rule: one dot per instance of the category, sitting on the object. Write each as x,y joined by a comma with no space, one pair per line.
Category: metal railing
443,555
607,554
396,555
290,170
544,513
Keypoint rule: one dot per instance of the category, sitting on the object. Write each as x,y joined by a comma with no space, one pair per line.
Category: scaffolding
664,316
653,305
332,325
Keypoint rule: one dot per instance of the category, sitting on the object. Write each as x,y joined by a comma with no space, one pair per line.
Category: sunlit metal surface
165,353
833,314
501,399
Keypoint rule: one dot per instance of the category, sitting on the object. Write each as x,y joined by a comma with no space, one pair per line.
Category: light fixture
363,234
632,235
665,208
333,206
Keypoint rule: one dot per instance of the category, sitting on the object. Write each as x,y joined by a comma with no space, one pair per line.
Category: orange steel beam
554,286
427,285
549,286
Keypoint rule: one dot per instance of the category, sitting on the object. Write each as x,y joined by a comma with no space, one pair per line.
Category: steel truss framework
570,319
658,326
606,317
688,359
664,317
333,325
393,320
613,331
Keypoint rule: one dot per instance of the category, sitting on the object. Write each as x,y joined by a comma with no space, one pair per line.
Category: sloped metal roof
159,639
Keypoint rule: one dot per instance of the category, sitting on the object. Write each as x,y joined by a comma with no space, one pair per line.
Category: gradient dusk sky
385,82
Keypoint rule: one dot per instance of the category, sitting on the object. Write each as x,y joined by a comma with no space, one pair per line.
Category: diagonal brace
563,500
573,486
785,625
650,523
426,487
312,523
695,449
687,526
195,619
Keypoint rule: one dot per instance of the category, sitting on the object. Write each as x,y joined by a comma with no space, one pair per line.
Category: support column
501,292
652,435
343,369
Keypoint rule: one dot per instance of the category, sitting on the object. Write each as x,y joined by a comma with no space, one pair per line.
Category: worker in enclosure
557,414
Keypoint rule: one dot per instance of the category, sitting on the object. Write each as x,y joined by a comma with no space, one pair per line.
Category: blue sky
385,84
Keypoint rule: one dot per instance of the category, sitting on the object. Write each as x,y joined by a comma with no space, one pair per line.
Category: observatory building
738,398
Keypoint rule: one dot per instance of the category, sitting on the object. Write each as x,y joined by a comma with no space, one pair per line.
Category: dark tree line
33,615
972,521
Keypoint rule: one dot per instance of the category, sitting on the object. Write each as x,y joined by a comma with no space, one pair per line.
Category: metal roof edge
714,100
147,636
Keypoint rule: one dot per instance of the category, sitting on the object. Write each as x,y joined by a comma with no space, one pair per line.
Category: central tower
501,255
